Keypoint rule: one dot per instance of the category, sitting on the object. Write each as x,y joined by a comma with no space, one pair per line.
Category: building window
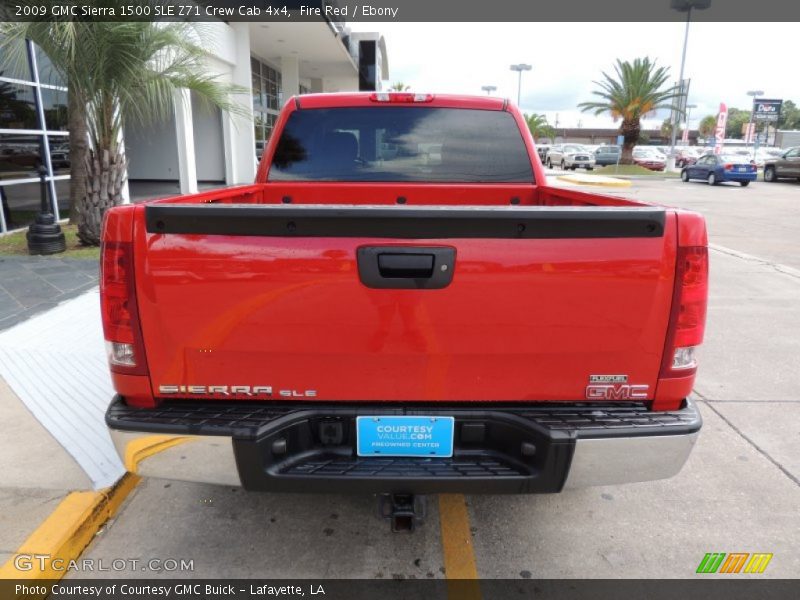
33,133
267,96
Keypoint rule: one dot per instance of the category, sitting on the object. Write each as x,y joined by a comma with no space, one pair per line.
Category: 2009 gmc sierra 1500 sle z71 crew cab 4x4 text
402,305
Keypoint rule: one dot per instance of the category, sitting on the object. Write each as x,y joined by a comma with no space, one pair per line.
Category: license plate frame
399,436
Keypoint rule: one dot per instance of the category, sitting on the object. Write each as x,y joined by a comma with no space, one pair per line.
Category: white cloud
724,60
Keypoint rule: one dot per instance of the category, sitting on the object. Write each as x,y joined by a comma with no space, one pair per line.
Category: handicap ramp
56,364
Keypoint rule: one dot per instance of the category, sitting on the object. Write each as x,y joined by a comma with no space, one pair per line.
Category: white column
290,76
184,130
238,132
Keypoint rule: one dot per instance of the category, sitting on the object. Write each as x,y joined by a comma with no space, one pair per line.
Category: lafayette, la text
185,590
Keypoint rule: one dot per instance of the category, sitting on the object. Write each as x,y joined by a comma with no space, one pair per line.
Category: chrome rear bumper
518,449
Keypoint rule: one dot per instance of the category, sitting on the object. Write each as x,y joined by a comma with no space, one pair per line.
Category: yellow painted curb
600,180
63,536
138,450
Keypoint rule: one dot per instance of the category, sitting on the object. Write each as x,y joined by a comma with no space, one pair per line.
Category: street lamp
689,108
489,89
519,69
682,6
755,94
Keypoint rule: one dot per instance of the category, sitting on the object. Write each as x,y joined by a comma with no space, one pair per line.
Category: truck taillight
688,315
400,98
123,335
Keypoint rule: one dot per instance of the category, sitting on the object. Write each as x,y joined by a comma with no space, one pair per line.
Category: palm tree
399,86
708,126
539,126
666,128
636,91
118,73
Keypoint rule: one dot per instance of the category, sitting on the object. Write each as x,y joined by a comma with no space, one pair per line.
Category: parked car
542,150
649,158
663,150
570,156
607,155
784,167
688,155
723,167
307,365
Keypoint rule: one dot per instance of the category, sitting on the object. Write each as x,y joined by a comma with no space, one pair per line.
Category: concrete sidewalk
56,365
37,473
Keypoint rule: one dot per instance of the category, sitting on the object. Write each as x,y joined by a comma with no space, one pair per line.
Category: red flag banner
719,134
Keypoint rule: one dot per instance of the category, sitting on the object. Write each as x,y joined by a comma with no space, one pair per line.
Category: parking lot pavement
760,220
230,533
728,496
739,491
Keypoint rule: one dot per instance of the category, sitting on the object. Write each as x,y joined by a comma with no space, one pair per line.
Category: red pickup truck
402,304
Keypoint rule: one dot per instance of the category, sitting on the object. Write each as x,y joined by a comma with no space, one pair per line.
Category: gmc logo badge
617,392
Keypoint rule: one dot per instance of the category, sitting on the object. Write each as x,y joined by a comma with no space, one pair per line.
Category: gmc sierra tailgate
401,303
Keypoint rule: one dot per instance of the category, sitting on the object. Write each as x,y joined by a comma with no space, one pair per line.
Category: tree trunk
78,147
630,131
106,172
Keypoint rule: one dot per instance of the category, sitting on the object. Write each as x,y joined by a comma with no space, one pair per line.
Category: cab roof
363,99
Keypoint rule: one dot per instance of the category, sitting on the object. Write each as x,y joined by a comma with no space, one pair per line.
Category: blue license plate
404,436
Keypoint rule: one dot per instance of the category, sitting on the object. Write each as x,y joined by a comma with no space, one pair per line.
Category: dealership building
198,147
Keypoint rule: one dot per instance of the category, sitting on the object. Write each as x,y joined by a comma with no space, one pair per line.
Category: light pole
689,108
682,6
755,94
489,89
519,69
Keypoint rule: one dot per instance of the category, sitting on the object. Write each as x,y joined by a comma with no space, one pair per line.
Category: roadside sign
767,110
620,140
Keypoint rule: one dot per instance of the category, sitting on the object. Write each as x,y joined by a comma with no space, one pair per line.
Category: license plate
404,436
742,169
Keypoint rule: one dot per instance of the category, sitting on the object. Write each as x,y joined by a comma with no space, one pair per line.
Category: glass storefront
33,133
267,96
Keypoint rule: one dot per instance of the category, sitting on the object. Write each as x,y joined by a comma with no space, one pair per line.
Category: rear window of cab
399,143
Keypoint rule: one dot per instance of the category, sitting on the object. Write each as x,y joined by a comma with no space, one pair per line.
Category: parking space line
458,548
784,269
66,532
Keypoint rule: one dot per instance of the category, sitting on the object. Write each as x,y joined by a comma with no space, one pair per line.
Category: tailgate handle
406,267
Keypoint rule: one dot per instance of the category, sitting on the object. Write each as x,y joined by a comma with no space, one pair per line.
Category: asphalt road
739,492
